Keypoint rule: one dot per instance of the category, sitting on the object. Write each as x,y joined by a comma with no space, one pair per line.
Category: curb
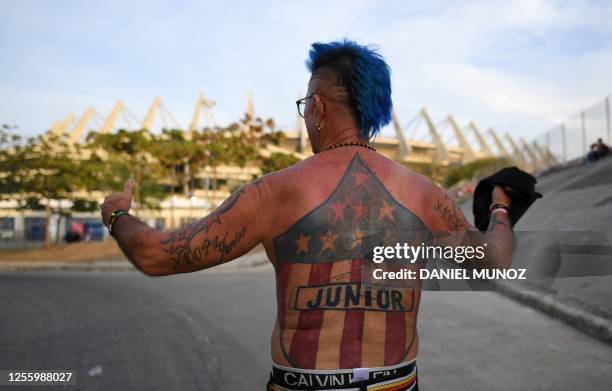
562,309
245,262
19,266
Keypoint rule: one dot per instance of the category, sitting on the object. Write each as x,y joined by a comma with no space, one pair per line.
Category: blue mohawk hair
366,77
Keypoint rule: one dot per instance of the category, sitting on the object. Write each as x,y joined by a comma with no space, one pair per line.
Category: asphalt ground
210,331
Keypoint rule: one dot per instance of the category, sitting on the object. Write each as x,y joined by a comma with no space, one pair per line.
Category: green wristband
114,216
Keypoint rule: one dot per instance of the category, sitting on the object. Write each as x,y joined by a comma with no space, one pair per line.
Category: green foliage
171,150
42,171
237,144
30,203
481,167
49,169
277,161
42,167
426,169
82,205
125,154
11,156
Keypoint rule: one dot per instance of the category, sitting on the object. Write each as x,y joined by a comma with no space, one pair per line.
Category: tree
42,172
171,150
122,155
480,167
239,144
11,155
277,161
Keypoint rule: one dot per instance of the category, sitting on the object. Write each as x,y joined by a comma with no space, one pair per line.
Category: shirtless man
318,221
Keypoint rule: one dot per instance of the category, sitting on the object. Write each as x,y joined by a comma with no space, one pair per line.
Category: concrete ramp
577,199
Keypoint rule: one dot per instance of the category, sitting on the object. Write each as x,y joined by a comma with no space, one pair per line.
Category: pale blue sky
519,66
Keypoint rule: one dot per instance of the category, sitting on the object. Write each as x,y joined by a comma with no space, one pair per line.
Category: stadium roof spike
547,158
441,152
59,127
56,128
77,131
517,155
535,162
148,121
193,126
250,109
498,144
468,152
404,148
202,104
109,124
485,151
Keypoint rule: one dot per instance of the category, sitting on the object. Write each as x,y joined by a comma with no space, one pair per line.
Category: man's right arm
231,230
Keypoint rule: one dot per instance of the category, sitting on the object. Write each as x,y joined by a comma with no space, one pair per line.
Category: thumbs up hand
117,201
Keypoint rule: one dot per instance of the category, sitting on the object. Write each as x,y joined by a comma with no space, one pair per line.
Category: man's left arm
451,228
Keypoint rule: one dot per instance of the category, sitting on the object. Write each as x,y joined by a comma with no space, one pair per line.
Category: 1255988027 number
14,377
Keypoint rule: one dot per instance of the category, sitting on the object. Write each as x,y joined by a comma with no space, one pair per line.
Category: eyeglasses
301,104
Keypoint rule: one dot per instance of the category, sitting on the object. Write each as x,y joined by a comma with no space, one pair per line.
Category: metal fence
572,139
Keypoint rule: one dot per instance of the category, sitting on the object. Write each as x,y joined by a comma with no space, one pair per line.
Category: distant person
598,151
76,232
72,237
319,221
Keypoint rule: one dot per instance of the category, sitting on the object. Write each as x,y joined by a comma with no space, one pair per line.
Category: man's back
337,207
320,222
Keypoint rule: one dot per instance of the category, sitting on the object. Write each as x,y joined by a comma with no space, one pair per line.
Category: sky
517,66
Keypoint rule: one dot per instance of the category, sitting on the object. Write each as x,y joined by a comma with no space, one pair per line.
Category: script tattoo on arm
187,248
495,222
447,210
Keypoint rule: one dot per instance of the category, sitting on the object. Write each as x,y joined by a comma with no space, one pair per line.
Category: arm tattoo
450,216
495,221
185,252
230,202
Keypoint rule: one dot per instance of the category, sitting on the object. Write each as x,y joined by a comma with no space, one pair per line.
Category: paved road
211,330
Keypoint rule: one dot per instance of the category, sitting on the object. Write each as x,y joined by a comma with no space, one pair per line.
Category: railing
572,139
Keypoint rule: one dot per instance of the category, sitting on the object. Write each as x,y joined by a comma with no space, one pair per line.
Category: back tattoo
324,273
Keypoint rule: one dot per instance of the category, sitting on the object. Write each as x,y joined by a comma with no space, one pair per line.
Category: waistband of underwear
392,378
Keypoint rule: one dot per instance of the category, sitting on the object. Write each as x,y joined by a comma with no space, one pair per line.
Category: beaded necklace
349,144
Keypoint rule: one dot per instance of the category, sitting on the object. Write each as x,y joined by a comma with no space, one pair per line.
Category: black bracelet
114,216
